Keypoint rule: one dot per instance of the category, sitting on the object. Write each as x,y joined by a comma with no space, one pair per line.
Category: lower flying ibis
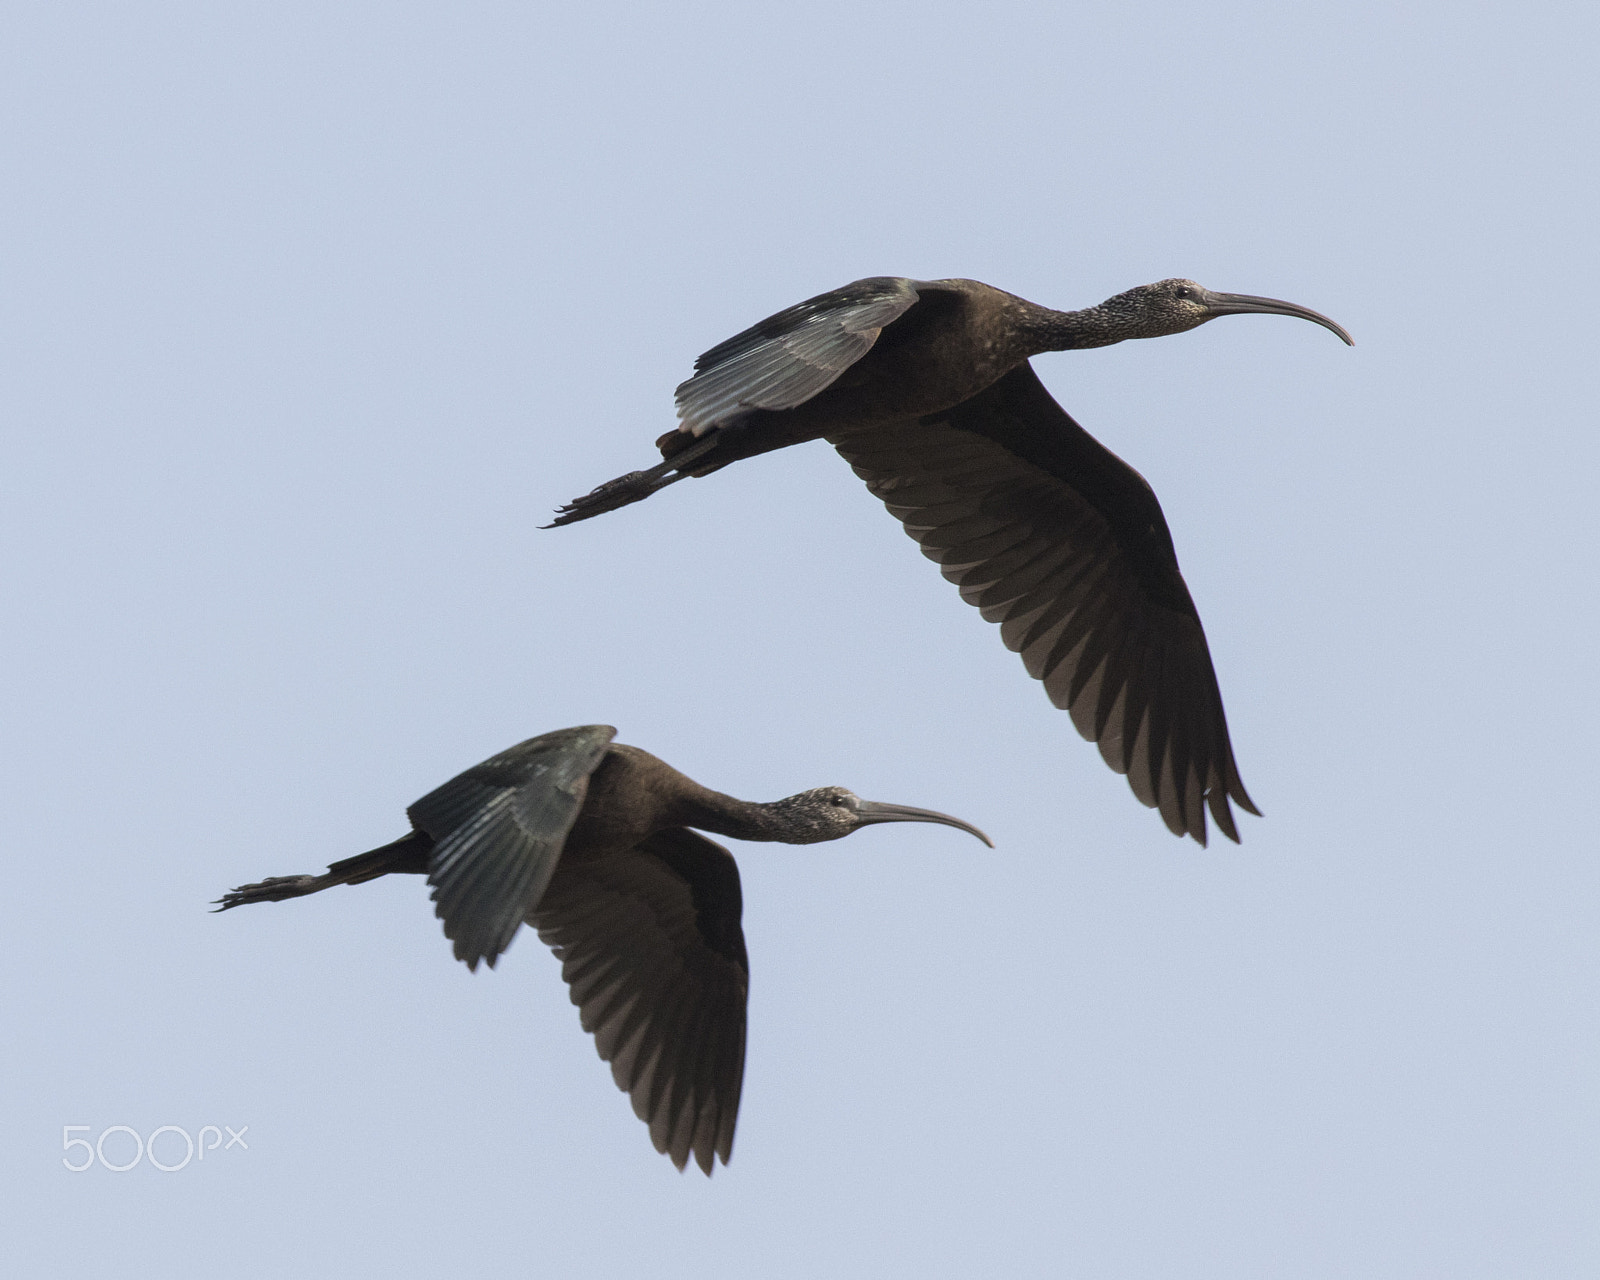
595,845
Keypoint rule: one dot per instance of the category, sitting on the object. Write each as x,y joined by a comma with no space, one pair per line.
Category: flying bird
924,387
598,847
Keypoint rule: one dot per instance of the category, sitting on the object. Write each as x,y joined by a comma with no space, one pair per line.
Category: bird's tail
406,855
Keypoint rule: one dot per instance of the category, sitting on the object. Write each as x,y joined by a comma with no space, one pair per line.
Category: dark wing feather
651,946
790,357
1064,545
498,830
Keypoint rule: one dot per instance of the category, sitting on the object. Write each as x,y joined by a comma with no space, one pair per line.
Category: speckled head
828,813
1175,306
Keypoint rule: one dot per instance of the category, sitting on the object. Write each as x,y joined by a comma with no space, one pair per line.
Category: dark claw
272,889
636,486
633,487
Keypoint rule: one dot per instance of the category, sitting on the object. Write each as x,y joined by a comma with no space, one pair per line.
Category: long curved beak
871,812
1238,304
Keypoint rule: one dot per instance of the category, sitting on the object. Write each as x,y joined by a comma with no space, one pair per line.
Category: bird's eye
1183,292
839,800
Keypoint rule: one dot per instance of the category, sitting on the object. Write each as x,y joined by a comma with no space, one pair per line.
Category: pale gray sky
313,312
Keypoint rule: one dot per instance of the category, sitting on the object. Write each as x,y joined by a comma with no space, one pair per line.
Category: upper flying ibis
924,386
595,845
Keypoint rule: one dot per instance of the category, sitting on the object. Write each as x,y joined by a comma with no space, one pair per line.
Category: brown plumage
593,844
925,389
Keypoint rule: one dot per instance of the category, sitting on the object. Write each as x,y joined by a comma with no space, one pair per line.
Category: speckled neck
1098,326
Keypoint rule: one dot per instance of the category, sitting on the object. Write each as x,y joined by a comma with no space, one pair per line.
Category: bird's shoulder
791,356
871,302
543,779
574,751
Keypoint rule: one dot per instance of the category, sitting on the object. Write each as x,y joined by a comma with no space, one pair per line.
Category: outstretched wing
1064,545
790,357
651,946
498,830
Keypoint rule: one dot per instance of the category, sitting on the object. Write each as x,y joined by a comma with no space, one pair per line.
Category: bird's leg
636,485
409,854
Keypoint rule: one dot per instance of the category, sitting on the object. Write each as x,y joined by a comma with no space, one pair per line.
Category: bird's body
632,795
925,388
943,341
594,844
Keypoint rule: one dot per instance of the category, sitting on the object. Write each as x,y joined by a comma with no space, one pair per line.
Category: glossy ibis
593,844
924,386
